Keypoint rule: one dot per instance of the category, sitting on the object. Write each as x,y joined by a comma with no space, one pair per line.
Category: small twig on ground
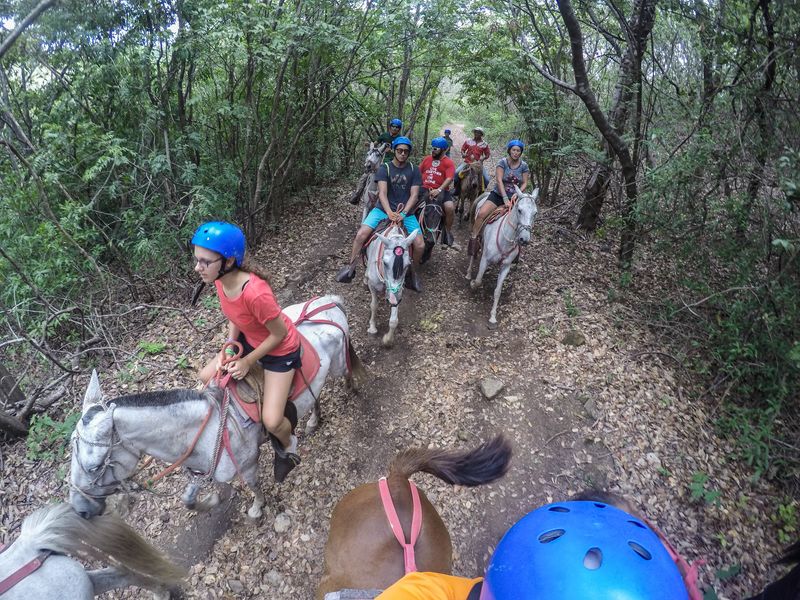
550,439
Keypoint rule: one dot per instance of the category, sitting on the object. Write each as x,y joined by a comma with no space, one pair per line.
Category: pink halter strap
690,573
397,528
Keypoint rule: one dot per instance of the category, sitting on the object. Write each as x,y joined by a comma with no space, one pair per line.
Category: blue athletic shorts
376,215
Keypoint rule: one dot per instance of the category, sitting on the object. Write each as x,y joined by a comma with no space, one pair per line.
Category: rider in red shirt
438,172
473,150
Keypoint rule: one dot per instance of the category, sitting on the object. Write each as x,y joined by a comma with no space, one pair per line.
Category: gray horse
367,192
388,260
502,240
111,436
57,530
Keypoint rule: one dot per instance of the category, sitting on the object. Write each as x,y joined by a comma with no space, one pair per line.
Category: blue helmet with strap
396,123
401,140
446,131
513,143
439,142
223,238
581,549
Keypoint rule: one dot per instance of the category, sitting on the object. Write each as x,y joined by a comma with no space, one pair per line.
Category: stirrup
346,274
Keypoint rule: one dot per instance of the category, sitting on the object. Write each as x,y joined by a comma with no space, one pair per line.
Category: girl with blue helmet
511,171
578,550
256,321
388,137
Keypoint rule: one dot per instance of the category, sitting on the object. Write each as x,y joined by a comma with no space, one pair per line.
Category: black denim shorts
276,364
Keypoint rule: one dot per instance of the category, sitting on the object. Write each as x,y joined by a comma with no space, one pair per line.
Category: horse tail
358,374
105,538
478,466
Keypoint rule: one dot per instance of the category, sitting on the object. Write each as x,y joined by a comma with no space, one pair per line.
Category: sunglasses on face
401,151
205,263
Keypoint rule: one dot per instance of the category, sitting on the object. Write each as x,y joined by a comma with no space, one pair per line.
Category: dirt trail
583,402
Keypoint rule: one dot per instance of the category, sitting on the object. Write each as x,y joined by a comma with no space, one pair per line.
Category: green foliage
48,439
151,348
569,305
787,521
698,489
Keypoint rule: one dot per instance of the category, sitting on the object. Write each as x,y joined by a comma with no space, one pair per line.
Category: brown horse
362,552
471,187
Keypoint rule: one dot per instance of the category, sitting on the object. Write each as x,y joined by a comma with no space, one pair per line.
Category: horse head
396,259
100,461
431,221
374,157
526,210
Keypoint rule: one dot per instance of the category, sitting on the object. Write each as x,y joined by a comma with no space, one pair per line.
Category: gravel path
585,401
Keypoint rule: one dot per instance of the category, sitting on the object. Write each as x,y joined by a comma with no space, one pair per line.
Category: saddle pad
307,372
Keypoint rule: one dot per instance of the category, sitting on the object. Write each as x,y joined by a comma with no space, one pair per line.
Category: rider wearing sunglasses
256,321
398,188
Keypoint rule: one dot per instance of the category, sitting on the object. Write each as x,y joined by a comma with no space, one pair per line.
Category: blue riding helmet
580,549
439,142
223,238
401,140
396,122
446,131
513,143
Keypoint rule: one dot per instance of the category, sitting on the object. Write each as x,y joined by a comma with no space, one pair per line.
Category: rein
409,562
29,567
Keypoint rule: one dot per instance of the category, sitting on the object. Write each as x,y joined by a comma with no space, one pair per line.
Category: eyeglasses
401,150
205,263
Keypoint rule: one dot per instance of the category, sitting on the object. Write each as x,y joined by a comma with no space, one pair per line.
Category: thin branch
26,22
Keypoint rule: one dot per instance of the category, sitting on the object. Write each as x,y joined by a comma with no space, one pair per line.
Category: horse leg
110,578
504,269
373,306
388,339
475,283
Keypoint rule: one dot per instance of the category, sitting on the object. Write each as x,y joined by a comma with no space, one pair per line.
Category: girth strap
397,528
25,570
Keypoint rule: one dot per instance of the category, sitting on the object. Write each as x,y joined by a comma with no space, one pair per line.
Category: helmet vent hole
637,524
549,536
640,550
598,505
593,559
560,509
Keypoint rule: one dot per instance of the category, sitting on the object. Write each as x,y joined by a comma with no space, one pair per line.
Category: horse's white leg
373,306
469,268
388,339
504,269
475,283
255,512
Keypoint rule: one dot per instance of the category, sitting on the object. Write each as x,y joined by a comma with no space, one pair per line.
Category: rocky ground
590,397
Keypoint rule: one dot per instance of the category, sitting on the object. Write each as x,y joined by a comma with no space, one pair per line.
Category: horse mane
606,497
105,538
483,464
163,398
397,267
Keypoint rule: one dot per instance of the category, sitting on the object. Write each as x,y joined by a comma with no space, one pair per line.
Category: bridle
373,160
97,474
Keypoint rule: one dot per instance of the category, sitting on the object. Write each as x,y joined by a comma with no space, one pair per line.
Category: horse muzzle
87,507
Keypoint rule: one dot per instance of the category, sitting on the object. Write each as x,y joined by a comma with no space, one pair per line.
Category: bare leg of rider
348,272
472,249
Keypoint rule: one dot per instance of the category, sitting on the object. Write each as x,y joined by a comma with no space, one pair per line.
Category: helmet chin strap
223,270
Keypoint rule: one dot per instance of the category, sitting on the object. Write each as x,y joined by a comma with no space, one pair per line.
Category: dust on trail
600,413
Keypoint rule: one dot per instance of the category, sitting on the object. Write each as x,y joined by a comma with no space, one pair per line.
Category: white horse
55,530
502,240
184,425
388,260
372,162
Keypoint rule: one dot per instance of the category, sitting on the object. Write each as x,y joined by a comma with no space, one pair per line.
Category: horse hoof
372,330
387,341
474,284
254,514
491,325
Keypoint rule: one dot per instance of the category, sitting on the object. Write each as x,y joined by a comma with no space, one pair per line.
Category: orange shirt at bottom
429,586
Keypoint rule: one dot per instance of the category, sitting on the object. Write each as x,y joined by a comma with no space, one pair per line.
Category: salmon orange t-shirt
429,586
251,309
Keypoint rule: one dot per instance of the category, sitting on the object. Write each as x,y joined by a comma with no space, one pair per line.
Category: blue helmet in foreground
223,238
401,140
513,143
439,142
580,549
396,123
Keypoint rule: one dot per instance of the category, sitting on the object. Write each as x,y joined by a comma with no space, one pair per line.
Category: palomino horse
502,240
388,260
184,426
471,187
362,552
34,566
369,193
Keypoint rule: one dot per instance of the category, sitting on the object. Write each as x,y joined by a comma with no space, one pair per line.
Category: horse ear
516,189
383,239
535,194
368,145
94,394
410,238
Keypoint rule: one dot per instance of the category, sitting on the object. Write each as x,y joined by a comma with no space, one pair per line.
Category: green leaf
730,572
